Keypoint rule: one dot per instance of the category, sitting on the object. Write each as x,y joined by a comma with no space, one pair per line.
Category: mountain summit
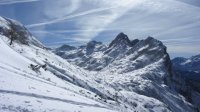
120,40
96,56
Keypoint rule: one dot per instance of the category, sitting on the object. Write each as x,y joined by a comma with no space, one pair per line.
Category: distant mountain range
188,70
191,64
188,67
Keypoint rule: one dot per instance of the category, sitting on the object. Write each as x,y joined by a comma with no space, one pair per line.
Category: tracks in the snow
49,98
17,71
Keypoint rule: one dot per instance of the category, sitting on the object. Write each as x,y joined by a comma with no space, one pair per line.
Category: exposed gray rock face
66,48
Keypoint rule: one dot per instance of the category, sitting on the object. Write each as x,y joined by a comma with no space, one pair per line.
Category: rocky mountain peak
141,52
134,42
93,46
93,43
121,39
66,47
152,41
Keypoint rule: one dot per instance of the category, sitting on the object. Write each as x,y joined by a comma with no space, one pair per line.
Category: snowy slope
22,89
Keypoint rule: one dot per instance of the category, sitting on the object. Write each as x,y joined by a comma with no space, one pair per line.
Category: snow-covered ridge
128,78
96,56
11,28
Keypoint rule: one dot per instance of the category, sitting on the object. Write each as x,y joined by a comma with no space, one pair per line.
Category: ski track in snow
48,98
40,79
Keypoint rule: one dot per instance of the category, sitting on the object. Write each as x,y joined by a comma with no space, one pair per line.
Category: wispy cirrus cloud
68,17
90,21
60,8
4,2
174,22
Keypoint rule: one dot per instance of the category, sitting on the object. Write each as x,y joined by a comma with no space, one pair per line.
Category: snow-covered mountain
129,66
125,76
191,64
96,56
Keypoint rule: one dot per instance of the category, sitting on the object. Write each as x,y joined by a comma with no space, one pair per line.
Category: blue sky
54,22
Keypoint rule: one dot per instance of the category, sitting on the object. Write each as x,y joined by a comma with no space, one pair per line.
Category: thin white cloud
5,2
60,8
182,49
102,20
176,39
196,23
91,22
77,30
69,17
